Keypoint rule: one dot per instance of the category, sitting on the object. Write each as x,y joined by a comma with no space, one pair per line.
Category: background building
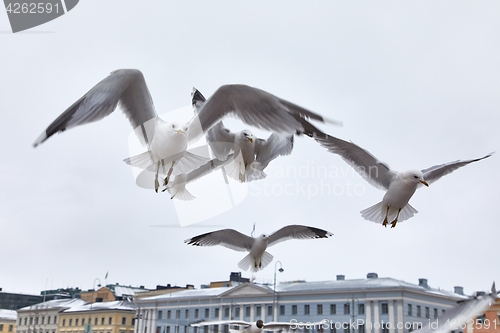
371,305
14,301
8,319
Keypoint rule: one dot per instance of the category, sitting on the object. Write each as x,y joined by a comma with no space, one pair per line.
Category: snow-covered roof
55,304
207,292
358,285
103,306
8,314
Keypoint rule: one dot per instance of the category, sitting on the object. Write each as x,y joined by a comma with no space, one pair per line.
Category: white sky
416,83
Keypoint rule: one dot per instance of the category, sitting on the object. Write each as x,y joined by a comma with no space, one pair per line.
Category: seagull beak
180,131
425,183
250,139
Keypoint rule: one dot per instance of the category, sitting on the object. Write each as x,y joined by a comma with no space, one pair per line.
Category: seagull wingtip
40,139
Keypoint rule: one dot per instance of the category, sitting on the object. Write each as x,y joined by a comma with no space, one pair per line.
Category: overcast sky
416,83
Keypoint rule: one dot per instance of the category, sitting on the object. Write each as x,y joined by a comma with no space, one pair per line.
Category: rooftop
8,314
103,306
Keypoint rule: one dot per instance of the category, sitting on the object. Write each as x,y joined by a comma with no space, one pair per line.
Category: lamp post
275,298
88,327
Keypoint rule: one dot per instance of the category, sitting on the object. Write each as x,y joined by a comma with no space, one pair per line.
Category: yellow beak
425,183
250,139
180,131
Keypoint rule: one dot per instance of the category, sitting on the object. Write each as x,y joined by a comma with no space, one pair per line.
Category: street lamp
275,298
88,326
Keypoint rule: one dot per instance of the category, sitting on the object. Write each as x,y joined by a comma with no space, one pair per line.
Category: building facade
99,317
44,317
8,319
371,305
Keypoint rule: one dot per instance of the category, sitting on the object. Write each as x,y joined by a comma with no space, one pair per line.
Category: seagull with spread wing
258,258
250,154
461,315
400,186
259,325
167,141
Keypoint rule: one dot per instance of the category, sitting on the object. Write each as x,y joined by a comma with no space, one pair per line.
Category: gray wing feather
229,238
434,173
125,86
254,107
297,232
368,166
461,314
221,140
276,145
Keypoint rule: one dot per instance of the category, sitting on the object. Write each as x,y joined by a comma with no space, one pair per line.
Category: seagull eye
415,176
173,126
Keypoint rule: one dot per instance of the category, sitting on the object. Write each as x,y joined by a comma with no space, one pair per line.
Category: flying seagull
258,258
259,325
461,315
400,186
167,141
251,154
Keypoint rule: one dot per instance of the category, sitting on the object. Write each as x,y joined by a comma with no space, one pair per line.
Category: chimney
372,276
340,277
459,290
423,283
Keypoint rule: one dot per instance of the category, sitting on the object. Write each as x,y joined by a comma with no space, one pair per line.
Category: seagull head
415,176
248,135
259,323
265,237
179,128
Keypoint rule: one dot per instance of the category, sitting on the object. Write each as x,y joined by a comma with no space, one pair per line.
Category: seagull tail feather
266,259
246,263
373,213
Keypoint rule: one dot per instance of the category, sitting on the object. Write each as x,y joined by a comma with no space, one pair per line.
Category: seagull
461,315
251,154
400,186
167,141
258,258
259,325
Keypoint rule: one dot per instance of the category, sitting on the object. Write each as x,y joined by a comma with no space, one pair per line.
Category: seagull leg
165,182
393,223
157,184
385,220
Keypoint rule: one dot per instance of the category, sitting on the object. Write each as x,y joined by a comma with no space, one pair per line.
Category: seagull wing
434,173
297,232
254,107
197,100
368,166
276,145
124,86
229,238
462,314
221,322
221,140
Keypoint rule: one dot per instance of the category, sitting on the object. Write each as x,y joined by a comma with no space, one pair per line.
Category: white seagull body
257,258
167,141
400,186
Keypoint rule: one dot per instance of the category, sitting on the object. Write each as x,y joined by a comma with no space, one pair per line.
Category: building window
347,309
70,321
169,314
361,328
177,314
333,328
186,313
1,327
133,321
427,314
226,311
269,310
384,308
385,327
207,313
158,329
409,310
419,312
160,314
333,309
319,309
216,313
435,313
168,329
247,311
11,327
347,329
282,310
361,308
258,310
307,309
83,321
196,313
76,321
294,309
95,321
43,321
124,320
236,312
63,323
